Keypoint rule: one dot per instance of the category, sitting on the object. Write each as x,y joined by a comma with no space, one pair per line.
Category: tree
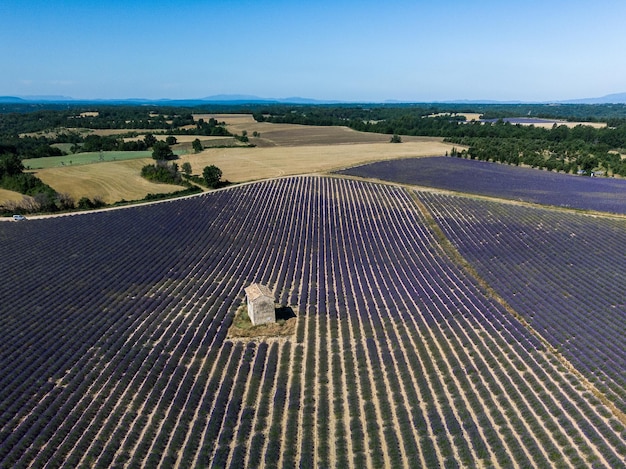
212,175
171,140
186,168
197,145
149,140
10,165
162,151
395,138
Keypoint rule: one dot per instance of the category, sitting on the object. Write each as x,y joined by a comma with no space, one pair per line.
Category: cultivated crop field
273,134
502,181
6,195
115,352
546,123
290,149
249,164
91,157
110,180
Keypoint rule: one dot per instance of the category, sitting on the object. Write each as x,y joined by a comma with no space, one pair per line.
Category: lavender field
503,181
564,272
115,351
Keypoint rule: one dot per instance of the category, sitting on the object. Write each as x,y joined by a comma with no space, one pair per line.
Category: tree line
567,156
19,120
64,126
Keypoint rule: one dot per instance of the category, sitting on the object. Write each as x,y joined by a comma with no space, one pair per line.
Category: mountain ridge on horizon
613,98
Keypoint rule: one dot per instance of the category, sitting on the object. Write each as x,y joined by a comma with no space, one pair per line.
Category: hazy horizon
332,51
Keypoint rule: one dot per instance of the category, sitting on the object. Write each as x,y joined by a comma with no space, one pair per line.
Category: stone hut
260,302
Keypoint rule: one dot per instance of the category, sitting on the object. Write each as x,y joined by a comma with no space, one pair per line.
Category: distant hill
615,98
11,99
241,99
233,97
225,99
55,98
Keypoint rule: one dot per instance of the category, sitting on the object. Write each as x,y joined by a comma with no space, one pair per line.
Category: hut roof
257,290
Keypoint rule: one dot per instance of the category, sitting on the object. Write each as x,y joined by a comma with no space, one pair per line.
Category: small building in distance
260,301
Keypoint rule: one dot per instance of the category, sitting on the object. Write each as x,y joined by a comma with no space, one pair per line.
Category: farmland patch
10,196
291,135
246,164
282,149
545,123
84,158
111,181
503,181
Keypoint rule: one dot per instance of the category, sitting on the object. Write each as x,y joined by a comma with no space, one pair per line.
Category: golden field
247,164
549,125
111,181
10,196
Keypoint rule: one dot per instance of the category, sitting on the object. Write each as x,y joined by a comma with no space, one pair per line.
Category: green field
88,158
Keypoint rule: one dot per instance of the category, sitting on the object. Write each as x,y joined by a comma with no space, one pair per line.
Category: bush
65,201
85,203
162,172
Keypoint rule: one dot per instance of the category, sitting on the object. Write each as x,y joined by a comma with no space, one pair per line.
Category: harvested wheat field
550,123
469,116
111,181
298,135
246,164
10,196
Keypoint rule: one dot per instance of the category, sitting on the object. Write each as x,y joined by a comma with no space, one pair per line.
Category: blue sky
344,50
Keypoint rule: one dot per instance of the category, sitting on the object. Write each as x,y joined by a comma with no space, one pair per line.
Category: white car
19,217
